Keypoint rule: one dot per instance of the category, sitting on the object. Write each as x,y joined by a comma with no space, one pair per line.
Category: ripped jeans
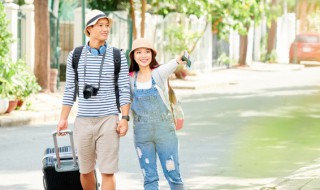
158,137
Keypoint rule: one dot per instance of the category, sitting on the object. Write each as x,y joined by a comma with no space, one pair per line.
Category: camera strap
101,66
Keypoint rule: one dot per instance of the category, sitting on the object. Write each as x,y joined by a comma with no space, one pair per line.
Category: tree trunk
133,18
272,33
303,15
42,44
243,49
272,37
143,16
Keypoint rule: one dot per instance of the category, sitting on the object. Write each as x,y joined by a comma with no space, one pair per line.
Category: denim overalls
154,133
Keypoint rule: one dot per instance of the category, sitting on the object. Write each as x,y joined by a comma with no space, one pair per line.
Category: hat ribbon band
94,18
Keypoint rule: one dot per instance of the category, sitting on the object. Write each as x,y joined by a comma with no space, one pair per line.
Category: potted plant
7,74
28,86
5,77
8,102
18,82
23,82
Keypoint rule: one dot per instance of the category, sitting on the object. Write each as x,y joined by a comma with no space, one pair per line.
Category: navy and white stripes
105,102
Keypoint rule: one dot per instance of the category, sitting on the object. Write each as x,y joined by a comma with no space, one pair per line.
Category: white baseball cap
92,17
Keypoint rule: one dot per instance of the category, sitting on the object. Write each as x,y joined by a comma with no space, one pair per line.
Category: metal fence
21,17
121,31
54,40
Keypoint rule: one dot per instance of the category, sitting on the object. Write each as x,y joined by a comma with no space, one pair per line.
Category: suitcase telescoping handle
56,148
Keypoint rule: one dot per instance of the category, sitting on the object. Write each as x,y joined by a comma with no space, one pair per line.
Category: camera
89,91
186,57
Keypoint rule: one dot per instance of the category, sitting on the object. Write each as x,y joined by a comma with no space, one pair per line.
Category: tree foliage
195,7
224,14
66,9
236,14
5,36
108,5
181,39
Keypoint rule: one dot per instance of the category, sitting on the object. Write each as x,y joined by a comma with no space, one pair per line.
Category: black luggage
60,166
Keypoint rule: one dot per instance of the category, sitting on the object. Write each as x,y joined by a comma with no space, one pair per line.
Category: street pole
83,21
296,31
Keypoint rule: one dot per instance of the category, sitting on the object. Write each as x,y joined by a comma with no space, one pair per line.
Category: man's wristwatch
126,117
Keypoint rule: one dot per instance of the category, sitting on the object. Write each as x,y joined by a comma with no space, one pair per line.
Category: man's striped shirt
105,102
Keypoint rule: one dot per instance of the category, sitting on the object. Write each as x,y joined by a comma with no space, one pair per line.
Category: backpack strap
75,61
117,66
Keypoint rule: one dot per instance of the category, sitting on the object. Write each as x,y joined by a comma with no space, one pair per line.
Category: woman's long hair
135,67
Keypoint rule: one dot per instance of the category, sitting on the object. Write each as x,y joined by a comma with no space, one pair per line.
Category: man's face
100,31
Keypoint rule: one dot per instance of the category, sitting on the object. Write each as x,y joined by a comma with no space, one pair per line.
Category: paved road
258,127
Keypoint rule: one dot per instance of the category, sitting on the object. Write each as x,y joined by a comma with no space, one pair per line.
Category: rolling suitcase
60,166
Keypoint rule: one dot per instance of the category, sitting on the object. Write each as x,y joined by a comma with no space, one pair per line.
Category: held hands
122,128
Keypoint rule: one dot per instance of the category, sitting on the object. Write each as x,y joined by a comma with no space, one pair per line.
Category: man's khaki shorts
97,139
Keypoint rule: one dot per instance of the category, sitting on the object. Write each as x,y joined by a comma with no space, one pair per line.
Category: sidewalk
305,178
44,107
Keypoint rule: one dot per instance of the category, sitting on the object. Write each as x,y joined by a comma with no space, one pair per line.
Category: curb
45,108
21,118
203,80
304,178
272,67
27,118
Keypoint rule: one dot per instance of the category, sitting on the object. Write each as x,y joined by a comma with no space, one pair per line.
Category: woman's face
143,57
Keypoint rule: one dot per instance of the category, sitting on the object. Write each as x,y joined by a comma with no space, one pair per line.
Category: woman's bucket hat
142,43
92,17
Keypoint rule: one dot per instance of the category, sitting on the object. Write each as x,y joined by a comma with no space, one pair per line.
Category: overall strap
153,81
135,79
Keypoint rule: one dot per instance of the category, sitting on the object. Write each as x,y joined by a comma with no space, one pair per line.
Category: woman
154,131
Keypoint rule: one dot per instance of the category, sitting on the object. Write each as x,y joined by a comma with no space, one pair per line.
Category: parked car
308,48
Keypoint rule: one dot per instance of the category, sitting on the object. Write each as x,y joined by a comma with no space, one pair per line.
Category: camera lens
87,94
87,91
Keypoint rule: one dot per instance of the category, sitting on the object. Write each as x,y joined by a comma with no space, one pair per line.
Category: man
97,128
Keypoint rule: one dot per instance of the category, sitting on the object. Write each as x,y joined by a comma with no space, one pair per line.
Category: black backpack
117,65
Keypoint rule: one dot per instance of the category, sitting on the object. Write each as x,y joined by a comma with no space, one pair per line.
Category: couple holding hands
142,88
